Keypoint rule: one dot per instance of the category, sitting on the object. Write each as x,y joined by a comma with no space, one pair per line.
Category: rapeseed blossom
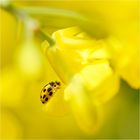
89,62
90,70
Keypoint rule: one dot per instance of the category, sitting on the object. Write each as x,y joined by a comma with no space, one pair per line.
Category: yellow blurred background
25,70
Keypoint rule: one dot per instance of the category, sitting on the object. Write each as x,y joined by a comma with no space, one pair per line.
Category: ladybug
48,91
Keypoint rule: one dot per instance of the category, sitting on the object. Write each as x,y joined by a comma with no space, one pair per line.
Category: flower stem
43,36
93,26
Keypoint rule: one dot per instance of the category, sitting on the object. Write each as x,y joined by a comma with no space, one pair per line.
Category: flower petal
86,113
99,80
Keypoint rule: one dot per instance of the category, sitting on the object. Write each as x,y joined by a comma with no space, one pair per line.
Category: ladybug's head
57,85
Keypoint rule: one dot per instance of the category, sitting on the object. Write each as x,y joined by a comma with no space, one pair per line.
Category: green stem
52,12
45,36
95,26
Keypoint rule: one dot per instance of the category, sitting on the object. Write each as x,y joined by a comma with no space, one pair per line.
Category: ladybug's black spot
49,89
43,102
44,96
44,90
46,99
40,96
50,93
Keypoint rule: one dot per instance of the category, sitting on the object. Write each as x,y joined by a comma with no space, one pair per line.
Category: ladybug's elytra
48,91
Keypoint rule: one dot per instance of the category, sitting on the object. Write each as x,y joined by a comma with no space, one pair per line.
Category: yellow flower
91,71
29,60
82,63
